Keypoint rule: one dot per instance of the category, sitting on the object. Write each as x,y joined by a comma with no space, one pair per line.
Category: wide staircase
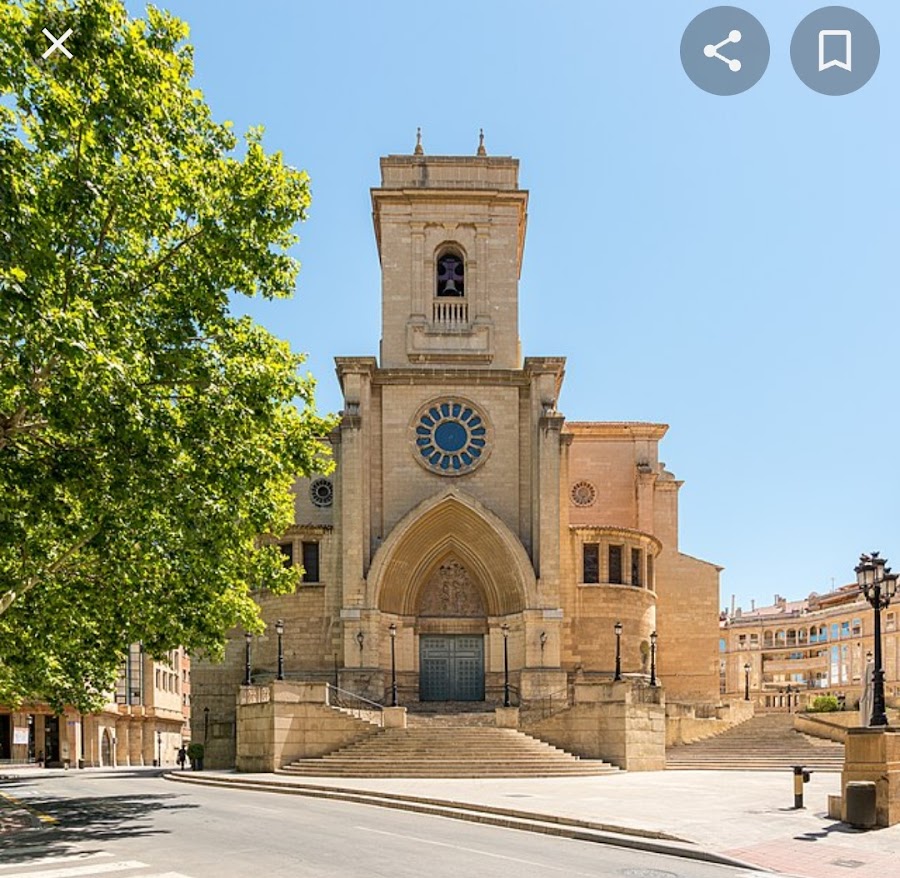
766,742
456,744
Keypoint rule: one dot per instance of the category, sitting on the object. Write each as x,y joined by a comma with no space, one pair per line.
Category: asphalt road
136,825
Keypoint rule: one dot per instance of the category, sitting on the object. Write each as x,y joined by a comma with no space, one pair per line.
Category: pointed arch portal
452,525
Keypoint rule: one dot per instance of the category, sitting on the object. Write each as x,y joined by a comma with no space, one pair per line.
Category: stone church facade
464,510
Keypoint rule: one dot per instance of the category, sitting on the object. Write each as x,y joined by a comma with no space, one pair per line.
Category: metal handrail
544,704
362,705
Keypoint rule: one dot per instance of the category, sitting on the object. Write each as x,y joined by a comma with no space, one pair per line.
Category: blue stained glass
445,410
479,431
466,414
474,422
426,420
465,458
455,461
423,431
435,458
475,452
435,414
450,436
424,440
445,462
457,408
428,449
476,441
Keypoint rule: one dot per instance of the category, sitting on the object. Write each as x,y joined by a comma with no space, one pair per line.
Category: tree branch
11,596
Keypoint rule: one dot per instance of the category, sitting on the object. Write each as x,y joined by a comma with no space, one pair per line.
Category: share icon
712,51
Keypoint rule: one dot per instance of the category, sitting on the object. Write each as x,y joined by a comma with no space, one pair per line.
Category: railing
547,705
360,707
450,313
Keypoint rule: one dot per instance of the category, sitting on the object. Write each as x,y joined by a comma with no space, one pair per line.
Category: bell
450,289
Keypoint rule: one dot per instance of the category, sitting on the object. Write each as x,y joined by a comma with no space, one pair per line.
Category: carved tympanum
451,591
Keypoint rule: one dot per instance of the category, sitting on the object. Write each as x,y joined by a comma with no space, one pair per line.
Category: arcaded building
464,510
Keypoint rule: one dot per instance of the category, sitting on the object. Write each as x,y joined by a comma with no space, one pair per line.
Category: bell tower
450,233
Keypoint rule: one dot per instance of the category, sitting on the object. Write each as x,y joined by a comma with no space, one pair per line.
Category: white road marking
51,861
75,871
459,847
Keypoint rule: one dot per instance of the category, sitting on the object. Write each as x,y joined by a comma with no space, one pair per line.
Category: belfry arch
451,524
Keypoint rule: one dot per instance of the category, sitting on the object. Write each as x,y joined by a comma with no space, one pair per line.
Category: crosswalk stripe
48,861
75,871
165,875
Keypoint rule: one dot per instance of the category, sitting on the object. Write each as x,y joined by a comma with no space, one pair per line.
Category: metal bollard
801,776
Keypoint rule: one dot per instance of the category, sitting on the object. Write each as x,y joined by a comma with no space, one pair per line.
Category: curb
546,824
18,810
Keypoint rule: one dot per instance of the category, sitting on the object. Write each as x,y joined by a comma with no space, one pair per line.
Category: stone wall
874,755
283,721
623,723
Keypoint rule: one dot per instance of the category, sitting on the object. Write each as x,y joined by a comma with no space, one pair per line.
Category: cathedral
472,542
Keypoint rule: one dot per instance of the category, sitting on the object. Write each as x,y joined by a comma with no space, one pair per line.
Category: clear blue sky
725,265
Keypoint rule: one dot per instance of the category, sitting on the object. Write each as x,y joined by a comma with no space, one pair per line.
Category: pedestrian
182,757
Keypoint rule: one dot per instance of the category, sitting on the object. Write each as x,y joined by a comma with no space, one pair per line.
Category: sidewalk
744,816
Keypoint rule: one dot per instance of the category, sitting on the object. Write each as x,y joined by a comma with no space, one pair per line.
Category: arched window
767,638
450,274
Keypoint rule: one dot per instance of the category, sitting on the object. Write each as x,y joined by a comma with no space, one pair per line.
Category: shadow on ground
86,821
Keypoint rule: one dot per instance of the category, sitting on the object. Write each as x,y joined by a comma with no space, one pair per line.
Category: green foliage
824,704
147,435
195,751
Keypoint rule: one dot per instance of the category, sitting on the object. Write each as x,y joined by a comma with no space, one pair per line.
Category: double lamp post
878,585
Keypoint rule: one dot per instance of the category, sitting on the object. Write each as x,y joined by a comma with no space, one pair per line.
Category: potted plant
195,754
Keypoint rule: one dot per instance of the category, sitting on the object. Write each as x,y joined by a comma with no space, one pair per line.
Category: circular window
451,437
583,494
321,492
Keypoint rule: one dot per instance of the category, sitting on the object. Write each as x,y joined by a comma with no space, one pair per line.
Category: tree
147,435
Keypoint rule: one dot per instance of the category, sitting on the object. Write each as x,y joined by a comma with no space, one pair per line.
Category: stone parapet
874,755
620,722
293,721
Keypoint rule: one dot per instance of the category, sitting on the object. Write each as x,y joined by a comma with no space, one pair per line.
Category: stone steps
763,743
449,751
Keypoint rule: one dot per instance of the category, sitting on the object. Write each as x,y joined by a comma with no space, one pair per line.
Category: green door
451,667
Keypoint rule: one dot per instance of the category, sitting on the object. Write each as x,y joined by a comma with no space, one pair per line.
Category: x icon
57,43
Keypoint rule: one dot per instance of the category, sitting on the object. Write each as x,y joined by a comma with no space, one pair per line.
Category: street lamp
653,637
248,637
746,681
392,630
159,748
878,585
505,629
618,629
279,630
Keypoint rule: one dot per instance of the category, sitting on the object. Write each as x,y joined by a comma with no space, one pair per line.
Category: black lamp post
746,681
159,748
248,637
279,630
392,629
653,637
505,629
618,629
878,585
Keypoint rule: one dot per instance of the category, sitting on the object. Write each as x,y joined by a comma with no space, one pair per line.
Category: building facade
815,646
145,721
468,528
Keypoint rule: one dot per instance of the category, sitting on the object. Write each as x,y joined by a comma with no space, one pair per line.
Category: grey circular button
835,50
725,50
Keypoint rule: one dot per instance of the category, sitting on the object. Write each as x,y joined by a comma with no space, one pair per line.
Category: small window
591,562
615,564
287,553
451,279
310,562
636,566
845,629
857,627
